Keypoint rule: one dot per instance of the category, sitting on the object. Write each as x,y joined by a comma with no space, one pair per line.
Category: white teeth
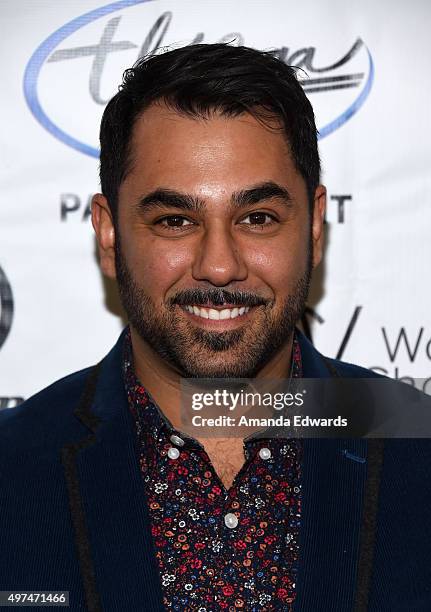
225,313
217,315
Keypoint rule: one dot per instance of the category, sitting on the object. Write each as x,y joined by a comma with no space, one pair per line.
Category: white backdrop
368,79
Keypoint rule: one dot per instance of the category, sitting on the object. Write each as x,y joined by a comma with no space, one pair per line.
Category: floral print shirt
217,548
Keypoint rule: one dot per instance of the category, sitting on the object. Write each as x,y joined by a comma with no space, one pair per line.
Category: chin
233,370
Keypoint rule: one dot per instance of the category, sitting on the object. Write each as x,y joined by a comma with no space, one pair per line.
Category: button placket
264,453
173,453
230,520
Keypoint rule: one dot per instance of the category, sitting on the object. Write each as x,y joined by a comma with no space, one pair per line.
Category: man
211,219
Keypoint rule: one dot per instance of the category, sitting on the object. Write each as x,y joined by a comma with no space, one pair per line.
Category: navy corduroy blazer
73,512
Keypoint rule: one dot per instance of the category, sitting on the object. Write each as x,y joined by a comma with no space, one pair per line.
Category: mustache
218,297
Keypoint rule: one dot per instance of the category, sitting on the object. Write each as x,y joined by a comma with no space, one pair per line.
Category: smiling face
214,243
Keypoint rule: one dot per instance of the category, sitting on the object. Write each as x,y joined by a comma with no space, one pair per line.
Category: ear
101,218
319,209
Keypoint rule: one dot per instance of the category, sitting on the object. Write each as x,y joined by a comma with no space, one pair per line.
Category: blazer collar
313,363
110,395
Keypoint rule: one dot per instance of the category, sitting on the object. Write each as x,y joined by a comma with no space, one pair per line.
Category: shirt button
177,440
264,453
231,520
173,453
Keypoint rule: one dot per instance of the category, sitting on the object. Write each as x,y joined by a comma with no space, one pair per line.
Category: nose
218,258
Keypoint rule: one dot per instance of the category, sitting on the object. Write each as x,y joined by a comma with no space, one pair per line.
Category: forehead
174,150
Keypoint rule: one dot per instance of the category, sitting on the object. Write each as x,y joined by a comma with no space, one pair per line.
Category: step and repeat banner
366,72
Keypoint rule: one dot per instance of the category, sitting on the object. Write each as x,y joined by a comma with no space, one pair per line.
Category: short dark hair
197,80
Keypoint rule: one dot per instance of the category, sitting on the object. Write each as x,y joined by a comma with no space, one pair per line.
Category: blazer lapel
334,476
107,499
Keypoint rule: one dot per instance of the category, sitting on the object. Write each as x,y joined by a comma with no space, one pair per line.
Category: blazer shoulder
41,415
351,370
317,365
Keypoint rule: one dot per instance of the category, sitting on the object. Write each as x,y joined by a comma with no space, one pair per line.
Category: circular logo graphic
6,307
80,65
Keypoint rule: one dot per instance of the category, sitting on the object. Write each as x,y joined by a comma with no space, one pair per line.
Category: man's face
214,242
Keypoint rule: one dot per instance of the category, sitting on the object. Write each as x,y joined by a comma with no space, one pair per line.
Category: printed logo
6,307
311,316
76,70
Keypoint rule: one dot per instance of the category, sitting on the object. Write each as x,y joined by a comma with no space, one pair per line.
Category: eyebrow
169,198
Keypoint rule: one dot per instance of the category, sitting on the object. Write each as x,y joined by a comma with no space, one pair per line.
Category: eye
258,218
173,222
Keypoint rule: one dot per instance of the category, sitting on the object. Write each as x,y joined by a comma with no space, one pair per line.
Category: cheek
280,263
158,264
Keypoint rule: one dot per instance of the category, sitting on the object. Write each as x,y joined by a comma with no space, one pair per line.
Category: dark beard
180,343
